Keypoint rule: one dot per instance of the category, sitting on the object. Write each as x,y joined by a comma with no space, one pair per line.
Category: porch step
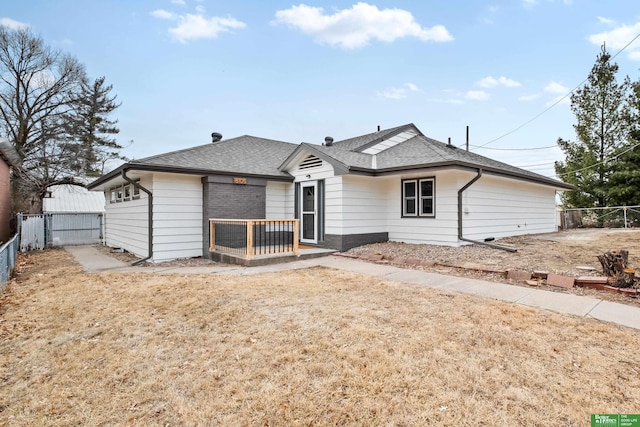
259,260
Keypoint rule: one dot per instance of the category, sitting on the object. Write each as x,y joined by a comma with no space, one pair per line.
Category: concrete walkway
94,261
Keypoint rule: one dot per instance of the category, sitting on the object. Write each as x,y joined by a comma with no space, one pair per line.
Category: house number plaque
239,181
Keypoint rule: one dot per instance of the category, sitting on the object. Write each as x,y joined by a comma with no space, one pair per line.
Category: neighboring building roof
244,155
68,198
413,151
9,153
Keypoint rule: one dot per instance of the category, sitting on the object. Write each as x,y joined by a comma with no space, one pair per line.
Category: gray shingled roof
244,155
417,152
250,155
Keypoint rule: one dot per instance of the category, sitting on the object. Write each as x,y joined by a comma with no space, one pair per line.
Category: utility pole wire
554,104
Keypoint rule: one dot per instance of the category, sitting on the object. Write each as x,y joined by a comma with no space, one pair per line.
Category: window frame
418,198
124,193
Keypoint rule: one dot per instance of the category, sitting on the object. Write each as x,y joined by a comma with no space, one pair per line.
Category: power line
599,163
537,164
514,149
555,103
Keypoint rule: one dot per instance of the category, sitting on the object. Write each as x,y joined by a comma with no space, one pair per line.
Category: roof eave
464,165
175,169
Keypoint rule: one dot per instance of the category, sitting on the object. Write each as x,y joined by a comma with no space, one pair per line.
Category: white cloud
162,14
555,87
618,38
489,82
179,2
12,24
196,26
399,92
356,27
477,95
528,98
454,101
200,9
531,3
606,21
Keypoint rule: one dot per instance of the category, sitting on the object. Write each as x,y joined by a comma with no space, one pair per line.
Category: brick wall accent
224,199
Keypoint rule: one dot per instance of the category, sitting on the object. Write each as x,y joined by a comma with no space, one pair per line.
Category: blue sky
301,71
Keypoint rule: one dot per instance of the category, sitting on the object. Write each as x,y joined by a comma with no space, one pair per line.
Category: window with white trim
123,193
418,197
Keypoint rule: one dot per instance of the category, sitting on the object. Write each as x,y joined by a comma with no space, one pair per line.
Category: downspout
149,215
464,239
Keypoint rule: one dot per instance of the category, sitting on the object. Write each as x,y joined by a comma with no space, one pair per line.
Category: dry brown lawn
309,347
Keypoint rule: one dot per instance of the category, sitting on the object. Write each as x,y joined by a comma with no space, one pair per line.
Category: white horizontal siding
439,230
127,225
364,204
290,201
499,207
276,200
333,214
177,216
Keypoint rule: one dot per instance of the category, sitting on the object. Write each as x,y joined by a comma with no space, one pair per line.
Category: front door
308,217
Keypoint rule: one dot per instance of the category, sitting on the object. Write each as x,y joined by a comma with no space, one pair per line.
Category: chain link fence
606,217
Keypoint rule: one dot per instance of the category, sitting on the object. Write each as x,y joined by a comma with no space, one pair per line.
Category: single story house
394,184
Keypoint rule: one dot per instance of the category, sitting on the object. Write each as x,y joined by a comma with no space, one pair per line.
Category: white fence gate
58,229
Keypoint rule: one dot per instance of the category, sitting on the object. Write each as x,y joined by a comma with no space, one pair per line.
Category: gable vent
310,162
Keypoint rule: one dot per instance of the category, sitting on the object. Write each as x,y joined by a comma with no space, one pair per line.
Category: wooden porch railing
251,237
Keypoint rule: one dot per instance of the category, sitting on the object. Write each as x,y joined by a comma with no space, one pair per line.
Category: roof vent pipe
328,141
378,128
215,137
467,137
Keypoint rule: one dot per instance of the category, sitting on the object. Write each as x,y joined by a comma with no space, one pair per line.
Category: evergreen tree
57,121
624,183
92,129
602,114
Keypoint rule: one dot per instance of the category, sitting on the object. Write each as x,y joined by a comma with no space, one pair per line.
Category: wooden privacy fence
251,237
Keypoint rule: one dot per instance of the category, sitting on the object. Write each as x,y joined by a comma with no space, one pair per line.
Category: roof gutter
464,239
149,214
173,169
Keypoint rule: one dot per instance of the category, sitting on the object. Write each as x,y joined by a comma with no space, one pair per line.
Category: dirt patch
566,252
129,258
305,347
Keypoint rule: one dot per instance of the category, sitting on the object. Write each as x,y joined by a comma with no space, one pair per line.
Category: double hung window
418,197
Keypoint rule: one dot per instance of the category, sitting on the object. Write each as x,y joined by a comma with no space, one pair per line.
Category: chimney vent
328,141
215,137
